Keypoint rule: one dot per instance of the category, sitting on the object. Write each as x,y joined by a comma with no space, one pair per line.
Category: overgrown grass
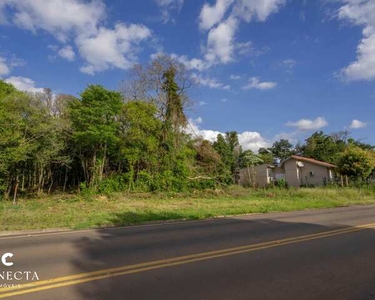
88,211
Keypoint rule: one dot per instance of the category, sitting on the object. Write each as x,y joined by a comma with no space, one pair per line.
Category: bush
281,183
112,184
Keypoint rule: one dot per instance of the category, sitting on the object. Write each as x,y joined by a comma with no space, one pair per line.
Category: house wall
320,173
291,175
296,176
261,176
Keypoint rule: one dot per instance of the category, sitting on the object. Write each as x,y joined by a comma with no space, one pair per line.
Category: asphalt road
325,254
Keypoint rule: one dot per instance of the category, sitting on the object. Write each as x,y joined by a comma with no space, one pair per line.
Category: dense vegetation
135,139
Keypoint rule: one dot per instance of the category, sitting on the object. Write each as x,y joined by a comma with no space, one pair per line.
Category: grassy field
85,211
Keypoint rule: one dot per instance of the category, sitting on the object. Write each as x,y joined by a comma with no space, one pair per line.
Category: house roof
310,160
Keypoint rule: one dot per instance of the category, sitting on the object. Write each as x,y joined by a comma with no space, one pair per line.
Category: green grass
78,211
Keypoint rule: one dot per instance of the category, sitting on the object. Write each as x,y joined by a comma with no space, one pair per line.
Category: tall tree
95,129
282,149
175,119
139,138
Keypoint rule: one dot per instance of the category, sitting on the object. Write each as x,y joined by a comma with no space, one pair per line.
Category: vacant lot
88,211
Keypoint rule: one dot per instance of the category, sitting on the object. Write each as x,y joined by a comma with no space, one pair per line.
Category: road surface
321,254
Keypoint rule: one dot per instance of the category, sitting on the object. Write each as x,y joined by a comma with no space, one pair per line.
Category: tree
6,89
282,149
149,83
229,150
356,163
31,143
95,129
248,161
175,119
266,155
139,138
324,147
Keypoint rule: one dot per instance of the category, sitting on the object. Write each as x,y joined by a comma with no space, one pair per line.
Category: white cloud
24,84
4,69
306,124
102,48
7,64
356,124
210,82
259,10
213,14
111,48
362,13
67,53
252,140
289,63
190,64
248,139
235,77
61,18
255,83
167,6
220,42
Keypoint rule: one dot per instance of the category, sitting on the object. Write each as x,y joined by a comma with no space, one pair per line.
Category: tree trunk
15,191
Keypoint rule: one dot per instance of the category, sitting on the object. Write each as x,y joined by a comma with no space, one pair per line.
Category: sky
268,69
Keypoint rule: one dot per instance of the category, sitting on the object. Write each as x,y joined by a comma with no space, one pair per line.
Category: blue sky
268,69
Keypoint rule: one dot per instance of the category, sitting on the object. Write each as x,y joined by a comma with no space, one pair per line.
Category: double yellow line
136,268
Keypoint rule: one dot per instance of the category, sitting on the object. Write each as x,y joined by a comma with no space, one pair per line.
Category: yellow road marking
136,268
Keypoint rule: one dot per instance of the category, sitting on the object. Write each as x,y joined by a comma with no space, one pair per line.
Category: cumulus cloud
24,84
361,13
356,124
67,53
111,48
212,14
248,139
4,69
255,83
61,18
190,64
221,41
252,140
306,124
102,48
210,82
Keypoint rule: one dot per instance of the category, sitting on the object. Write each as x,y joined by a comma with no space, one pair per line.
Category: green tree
356,163
95,129
282,149
323,147
249,160
6,89
139,143
266,155
175,119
